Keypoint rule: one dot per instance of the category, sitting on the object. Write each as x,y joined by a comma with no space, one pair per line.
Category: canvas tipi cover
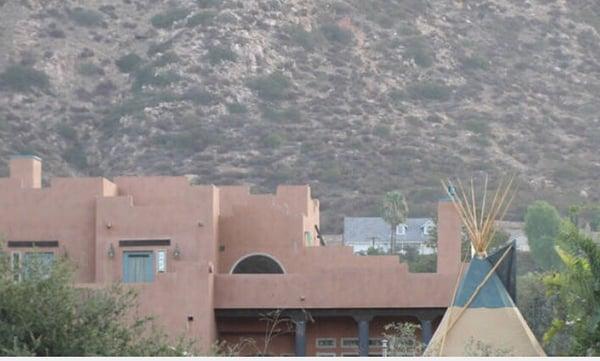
490,323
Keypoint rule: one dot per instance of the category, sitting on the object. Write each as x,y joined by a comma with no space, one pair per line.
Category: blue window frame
138,267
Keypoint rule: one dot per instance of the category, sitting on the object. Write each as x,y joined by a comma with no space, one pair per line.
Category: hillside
353,97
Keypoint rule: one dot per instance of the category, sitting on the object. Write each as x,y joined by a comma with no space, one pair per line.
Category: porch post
426,330
300,337
363,334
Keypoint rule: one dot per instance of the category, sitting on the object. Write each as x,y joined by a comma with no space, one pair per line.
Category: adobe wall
65,211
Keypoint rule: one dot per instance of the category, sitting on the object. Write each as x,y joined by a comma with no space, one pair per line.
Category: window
349,354
427,227
325,342
24,264
401,229
326,354
138,267
375,342
161,261
35,262
308,237
257,263
349,342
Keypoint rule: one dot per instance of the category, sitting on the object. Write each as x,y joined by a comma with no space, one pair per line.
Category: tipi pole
462,266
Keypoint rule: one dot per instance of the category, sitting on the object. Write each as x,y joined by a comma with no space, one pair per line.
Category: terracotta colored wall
214,228
64,212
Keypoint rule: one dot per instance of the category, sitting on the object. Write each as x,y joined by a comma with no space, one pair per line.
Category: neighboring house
516,231
210,262
364,232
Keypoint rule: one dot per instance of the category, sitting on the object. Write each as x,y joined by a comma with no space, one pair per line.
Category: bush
218,54
282,115
86,17
147,76
208,3
129,63
156,48
475,62
402,339
203,18
272,140
44,314
165,59
75,156
429,90
89,69
336,34
237,108
382,131
301,37
199,96
274,86
21,78
167,18
419,50
478,126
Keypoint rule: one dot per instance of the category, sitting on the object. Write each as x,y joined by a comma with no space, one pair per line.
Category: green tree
394,210
542,223
537,309
44,314
577,286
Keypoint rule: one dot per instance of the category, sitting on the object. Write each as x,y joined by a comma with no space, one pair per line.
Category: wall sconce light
111,251
108,225
177,252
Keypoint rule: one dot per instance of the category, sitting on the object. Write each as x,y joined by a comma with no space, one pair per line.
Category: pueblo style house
210,262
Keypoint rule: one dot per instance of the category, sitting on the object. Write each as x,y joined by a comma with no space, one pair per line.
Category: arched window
257,263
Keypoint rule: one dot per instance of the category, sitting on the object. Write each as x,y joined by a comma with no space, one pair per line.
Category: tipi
482,319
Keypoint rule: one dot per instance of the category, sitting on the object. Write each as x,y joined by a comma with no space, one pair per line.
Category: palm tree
394,210
577,285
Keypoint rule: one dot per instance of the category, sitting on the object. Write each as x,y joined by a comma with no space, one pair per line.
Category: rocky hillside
354,97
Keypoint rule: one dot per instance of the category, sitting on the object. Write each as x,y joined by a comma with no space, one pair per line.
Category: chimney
449,230
27,169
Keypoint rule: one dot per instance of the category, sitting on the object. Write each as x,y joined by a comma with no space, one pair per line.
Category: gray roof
363,229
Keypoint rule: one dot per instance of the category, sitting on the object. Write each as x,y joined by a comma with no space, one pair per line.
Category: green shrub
165,59
475,62
382,131
330,172
429,90
478,126
237,108
167,18
272,140
208,3
129,63
21,78
75,156
301,37
203,18
418,50
147,76
282,115
274,86
134,106
219,54
86,17
89,69
66,132
200,96
336,34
